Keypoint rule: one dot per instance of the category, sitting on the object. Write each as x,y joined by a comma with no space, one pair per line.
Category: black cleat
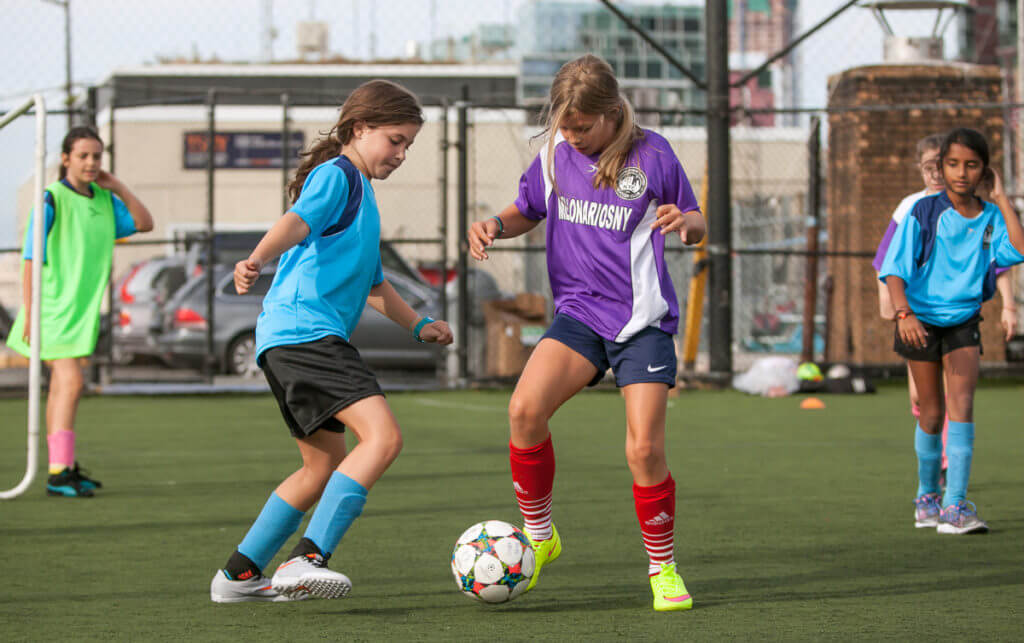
67,484
83,477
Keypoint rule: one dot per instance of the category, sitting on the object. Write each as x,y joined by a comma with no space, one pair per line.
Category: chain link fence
774,162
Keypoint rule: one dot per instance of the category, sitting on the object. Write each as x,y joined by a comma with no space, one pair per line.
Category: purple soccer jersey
606,265
897,216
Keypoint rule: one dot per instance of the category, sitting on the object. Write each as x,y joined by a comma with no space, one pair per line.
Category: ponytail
374,103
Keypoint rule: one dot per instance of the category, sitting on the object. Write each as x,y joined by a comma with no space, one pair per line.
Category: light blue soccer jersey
947,261
321,284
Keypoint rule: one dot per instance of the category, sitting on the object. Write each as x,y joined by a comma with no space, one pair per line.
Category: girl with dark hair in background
939,269
927,162
85,211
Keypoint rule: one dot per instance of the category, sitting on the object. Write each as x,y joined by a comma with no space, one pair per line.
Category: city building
757,29
647,79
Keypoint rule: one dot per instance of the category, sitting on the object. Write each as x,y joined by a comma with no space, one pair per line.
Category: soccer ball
492,562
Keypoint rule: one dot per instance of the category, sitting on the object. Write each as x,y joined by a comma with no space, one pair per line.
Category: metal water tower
915,49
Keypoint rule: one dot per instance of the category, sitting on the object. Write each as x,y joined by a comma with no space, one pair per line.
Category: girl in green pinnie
85,211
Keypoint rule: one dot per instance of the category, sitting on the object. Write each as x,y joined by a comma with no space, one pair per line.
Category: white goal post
38,223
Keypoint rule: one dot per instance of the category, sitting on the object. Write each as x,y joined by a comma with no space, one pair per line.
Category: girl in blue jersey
609,193
927,162
329,268
939,268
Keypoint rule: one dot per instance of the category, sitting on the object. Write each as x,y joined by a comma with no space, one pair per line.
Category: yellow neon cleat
669,591
544,551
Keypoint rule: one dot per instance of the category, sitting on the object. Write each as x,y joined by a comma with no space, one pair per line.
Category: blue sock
339,506
929,460
273,526
959,451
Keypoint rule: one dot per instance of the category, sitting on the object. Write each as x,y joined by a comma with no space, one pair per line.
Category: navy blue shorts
648,356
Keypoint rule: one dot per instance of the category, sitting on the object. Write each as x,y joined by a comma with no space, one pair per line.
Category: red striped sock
533,476
656,511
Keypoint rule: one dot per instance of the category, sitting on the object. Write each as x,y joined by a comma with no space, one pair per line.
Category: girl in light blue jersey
939,269
928,149
329,268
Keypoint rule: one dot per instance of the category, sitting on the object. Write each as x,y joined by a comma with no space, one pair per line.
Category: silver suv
180,332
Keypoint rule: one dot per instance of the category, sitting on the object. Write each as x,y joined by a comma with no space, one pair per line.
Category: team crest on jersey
631,183
986,240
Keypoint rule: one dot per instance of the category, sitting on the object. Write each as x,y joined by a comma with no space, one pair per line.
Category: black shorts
313,381
941,340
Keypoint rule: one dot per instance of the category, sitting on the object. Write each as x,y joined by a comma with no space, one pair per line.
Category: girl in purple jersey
609,192
931,174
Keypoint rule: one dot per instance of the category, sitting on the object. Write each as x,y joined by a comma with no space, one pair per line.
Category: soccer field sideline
791,525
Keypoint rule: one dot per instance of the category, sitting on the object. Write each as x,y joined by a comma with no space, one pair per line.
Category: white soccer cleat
309,574
257,588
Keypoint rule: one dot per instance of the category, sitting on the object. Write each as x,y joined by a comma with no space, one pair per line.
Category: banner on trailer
240,150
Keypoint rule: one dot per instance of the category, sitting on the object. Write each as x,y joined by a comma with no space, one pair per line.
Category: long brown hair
375,103
587,85
74,135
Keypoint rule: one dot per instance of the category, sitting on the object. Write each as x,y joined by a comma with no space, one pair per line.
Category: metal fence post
103,374
285,151
463,213
720,234
209,364
813,217
443,225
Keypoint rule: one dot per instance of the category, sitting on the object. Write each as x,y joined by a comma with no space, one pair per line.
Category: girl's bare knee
931,420
527,420
644,455
960,407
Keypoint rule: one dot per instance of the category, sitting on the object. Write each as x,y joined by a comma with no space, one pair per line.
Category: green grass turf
791,525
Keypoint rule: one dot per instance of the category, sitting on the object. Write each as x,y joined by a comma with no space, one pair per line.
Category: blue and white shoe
927,508
961,518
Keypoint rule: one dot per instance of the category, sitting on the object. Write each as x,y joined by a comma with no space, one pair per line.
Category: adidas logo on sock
661,519
246,575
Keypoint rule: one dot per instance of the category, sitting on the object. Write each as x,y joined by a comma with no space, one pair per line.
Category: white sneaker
257,588
309,573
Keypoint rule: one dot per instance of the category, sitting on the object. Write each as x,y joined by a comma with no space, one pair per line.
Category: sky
108,34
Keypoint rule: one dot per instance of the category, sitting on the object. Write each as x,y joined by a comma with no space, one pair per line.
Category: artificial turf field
791,525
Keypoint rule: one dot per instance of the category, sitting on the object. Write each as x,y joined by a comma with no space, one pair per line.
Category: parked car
180,332
139,296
